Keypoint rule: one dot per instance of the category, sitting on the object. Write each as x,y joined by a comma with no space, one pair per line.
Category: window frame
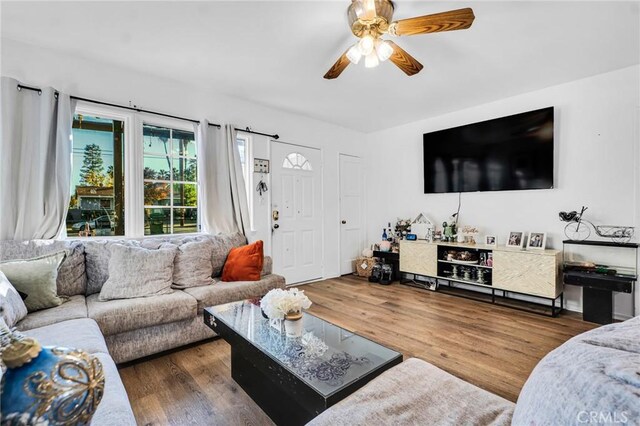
91,109
173,124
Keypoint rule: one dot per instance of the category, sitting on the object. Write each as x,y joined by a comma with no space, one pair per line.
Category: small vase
293,324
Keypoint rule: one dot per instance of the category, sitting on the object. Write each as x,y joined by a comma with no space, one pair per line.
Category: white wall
596,136
77,76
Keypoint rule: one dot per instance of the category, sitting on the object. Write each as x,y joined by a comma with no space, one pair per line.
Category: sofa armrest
267,266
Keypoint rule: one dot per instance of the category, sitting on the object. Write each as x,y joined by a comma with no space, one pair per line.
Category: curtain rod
35,89
247,130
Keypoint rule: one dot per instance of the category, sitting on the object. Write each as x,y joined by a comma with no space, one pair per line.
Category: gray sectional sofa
118,331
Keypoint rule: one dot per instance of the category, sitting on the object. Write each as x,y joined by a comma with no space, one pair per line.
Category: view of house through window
97,183
170,181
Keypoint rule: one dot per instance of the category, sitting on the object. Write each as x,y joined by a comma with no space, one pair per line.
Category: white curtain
223,198
35,162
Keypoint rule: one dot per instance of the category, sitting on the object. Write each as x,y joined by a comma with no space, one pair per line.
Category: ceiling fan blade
460,19
404,61
338,67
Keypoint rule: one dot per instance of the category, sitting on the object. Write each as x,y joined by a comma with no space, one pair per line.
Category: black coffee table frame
284,397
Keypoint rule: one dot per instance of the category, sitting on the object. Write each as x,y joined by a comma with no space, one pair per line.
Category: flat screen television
508,153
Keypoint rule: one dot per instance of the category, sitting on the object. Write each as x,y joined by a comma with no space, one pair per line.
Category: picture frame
515,239
537,241
491,240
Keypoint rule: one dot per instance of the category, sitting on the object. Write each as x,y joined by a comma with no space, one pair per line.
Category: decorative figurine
480,279
448,232
467,274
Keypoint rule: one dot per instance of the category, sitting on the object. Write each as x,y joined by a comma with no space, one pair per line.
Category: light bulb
353,54
366,45
371,60
383,50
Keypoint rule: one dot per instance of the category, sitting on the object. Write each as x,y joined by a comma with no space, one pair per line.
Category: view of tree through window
170,181
97,183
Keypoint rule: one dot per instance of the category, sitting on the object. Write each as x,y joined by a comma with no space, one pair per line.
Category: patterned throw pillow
192,266
138,272
37,279
12,308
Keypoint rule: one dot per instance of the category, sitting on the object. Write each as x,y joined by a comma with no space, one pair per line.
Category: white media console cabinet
526,272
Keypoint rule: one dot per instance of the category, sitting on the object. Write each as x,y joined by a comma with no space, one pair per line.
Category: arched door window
296,161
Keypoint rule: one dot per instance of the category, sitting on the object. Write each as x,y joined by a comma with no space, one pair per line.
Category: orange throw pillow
244,263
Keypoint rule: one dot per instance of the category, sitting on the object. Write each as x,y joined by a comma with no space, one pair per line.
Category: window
170,181
296,161
97,182
159,161
244,147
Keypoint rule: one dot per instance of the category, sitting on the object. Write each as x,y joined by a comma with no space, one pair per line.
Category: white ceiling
275,53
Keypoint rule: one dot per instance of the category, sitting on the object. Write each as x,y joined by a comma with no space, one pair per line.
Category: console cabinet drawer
525,272
419,258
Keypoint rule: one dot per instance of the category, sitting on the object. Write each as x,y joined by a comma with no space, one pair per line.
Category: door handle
344,222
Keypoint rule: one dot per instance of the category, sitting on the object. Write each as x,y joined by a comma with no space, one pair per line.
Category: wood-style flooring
490,346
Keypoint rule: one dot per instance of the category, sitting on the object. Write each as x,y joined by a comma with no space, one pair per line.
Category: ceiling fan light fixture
353,54
366,45
383,50
371,60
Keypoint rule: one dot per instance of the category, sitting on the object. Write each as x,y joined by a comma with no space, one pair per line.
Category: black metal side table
600,268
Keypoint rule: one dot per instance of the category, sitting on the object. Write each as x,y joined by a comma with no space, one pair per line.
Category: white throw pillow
138,272
11,304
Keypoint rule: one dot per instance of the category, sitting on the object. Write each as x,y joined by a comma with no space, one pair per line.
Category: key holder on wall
261,166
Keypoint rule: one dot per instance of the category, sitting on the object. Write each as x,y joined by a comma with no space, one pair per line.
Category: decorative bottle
384,234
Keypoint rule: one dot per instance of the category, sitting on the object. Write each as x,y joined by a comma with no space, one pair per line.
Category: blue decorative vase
49,386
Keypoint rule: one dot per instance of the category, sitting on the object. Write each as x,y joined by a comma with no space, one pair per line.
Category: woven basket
364,266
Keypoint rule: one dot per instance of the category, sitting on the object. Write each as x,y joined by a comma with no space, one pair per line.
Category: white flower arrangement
277,303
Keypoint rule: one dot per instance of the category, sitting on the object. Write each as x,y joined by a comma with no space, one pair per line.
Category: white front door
351,205
296,206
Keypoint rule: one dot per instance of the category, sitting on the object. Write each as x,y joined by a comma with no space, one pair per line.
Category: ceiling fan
371,19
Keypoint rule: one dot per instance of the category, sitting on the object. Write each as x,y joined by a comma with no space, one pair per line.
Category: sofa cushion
595,372
142,342
73,308
225,292
222,244
114,409
117,316
72,279
81,334
98,254
192,265
138,272
418,393
12,308
36,278
244,263
267,266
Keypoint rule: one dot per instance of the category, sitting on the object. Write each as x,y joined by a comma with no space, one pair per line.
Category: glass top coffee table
295,379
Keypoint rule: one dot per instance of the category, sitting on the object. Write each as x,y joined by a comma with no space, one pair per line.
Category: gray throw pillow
192,266
138,272
12,308
37,279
